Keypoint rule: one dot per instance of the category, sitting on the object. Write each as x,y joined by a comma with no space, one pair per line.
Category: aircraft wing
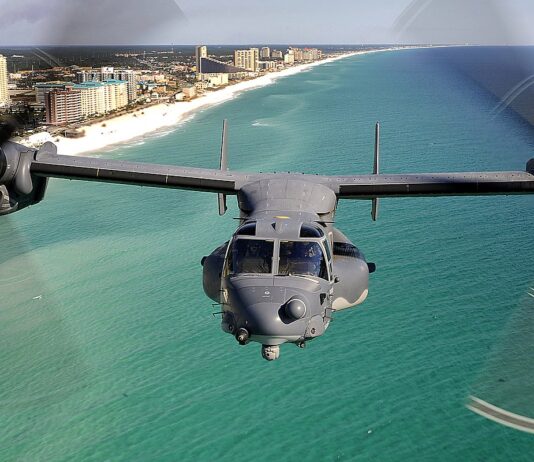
137,173
433,184
24,174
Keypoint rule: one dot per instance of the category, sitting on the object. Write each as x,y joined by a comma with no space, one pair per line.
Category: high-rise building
267,65
63,106
201,51
109,73
210,69
301,55
277,54
93,98
247,59
102,97
41,89
129,77
4,94
116,92
106,73
265,53
289,57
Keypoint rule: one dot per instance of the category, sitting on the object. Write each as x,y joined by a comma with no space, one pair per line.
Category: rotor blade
99,22
452,22
479,22
499,415
36,349
504,389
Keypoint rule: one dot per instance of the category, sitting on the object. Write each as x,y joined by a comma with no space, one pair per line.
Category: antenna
223,166
376,170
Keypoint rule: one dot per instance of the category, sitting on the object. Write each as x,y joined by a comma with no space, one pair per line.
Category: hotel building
201,51
4,94
247,59
63,106
41,89
213,71
68,103
109,73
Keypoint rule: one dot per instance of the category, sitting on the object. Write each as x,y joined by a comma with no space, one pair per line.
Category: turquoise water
108,346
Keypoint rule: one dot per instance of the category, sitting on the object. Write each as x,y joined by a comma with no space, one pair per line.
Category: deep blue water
121,359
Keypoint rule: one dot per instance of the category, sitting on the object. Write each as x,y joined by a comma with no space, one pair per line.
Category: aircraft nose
273,314
276,319
264,318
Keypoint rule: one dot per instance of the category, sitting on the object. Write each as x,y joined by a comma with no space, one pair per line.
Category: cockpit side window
302,258
248,229
310,231
251,256
327,248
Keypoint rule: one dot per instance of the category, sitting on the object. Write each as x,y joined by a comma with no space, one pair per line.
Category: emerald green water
108,346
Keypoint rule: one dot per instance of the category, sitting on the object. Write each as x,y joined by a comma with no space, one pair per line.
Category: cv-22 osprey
286,270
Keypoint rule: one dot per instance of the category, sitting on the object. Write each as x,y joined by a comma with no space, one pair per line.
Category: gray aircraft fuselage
286,269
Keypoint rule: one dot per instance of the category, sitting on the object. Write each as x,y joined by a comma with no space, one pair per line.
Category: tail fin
376,170
223,166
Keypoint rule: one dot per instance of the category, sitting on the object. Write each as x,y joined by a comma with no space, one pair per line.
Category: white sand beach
135,124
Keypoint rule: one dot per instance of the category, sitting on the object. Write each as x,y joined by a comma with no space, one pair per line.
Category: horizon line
270,44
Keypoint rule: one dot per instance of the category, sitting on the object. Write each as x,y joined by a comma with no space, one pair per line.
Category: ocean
109,349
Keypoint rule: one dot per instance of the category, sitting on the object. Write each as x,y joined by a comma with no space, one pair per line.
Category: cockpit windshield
302,258
251,256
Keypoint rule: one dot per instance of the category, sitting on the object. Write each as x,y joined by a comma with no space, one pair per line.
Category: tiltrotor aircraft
286,269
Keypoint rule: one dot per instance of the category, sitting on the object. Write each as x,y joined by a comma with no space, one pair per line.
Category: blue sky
34,22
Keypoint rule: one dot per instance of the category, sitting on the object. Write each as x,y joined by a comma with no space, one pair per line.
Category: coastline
133,125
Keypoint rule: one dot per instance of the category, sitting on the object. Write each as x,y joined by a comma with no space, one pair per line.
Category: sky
137,22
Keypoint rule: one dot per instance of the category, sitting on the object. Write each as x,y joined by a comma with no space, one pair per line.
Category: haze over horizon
186,22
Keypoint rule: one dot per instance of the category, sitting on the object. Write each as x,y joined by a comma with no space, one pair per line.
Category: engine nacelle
212,271
18,187
352,270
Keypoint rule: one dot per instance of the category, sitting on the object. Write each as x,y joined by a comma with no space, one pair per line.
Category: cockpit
301,258
307,255
251,256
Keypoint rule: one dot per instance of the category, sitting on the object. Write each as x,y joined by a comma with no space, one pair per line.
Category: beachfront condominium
212,70
70,103
247,59
289,57
102,97
63,106
110,73
265,53
201,51
304,55
4,94
41,89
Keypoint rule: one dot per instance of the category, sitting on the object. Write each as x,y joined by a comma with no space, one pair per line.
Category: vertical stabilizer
223,166
376,170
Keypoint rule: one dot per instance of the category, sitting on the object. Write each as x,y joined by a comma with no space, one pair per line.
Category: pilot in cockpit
253,256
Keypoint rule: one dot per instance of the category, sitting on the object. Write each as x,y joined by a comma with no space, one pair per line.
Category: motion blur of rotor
56,355
504,389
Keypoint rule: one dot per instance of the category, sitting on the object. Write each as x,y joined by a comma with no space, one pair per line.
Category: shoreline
148,120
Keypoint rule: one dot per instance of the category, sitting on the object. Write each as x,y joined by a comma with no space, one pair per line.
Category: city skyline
185,22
